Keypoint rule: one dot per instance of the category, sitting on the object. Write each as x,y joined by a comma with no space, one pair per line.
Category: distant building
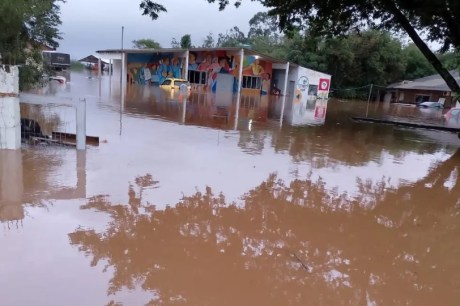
429,88
56,60
92,62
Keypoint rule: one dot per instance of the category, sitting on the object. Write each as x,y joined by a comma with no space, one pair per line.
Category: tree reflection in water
288,244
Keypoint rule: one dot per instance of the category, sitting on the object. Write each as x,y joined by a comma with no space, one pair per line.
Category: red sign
324,84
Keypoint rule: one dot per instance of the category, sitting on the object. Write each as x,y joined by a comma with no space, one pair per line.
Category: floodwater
177,207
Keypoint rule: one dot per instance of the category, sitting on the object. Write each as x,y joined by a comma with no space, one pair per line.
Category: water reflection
203,108
30,177
291,243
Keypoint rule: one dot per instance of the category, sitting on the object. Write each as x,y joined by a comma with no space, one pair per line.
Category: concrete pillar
124,70
10,116
238,93
187,54
99,67
283,103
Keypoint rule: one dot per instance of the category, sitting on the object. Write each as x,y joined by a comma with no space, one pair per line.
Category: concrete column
10,116
110,77
123,71
238,93
283,103
99,69
186,65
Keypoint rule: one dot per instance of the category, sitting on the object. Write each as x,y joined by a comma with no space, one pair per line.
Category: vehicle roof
174,79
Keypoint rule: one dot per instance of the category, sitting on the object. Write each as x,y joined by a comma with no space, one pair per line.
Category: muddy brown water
175,209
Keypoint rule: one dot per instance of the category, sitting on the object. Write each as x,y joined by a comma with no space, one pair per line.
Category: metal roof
233,50
92,59
432,82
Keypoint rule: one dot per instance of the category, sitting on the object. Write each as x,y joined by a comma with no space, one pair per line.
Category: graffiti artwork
324,84
302,83
204,71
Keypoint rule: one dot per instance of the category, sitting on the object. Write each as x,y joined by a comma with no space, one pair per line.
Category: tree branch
430,56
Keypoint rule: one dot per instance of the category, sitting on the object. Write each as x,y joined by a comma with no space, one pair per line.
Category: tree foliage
208,42
175,43
27,25
146,43
232,38
151,9
186,41
417,65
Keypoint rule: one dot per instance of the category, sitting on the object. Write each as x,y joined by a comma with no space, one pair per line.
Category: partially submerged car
453,115
172,83
430,104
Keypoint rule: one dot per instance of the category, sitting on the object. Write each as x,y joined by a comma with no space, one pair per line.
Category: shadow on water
289,244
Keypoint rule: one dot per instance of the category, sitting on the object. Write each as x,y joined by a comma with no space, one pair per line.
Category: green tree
146,43
262,24
175,43
417,65
450,60
378,58
232,38
27,26
208,42
186,41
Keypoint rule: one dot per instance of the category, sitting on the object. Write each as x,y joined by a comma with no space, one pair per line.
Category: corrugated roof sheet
432,82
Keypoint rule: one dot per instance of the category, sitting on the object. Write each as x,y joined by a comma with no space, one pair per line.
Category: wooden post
369,100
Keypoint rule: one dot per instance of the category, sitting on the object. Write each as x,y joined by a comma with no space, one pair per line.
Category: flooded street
214,204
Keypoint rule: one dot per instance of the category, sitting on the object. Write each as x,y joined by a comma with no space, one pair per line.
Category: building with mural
227,75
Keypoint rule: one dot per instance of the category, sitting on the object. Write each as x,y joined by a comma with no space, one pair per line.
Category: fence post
81,124
369,100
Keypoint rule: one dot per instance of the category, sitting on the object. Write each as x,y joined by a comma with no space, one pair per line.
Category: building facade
228,74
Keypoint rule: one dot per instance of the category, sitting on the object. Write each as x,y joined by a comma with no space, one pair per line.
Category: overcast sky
90,25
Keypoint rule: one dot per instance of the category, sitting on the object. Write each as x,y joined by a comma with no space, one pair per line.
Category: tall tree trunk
404,22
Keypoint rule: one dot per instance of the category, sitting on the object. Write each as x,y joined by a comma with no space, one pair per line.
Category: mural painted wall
154,68
309,103
205,71
260,69
205,67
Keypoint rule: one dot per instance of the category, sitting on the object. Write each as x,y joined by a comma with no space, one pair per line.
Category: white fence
79,106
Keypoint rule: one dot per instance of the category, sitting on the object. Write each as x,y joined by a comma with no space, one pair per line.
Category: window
197,77
251,82
422,98
166,82
179,83
313,90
